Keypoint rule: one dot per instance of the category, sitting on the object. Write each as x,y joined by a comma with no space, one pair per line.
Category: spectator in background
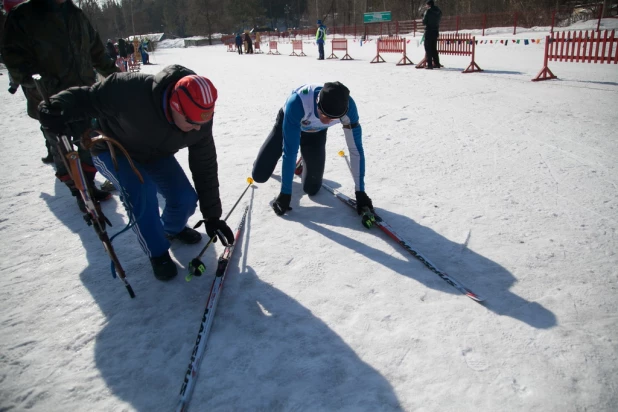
143,49
249,43
111,50
130,48
55,40
238,42
122,52
431,20
320,38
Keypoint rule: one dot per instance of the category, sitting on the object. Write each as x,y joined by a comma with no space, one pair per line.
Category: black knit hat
333,100
429,3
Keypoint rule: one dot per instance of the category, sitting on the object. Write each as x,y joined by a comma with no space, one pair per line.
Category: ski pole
95,216
196,266
341,153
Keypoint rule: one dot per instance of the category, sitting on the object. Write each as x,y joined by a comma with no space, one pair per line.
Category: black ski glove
52,118
282,204
216,227
363,201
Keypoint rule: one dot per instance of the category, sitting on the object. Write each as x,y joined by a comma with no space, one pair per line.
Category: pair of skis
199,348
370,218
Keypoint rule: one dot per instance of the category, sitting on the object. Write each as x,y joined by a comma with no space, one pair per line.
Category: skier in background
320,38
302,123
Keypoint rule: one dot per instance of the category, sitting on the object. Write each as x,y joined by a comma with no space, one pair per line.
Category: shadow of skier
483,276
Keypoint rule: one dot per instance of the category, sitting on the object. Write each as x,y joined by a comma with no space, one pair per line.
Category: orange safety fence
272,45
340,44
587,47
459,45
392,45
297,45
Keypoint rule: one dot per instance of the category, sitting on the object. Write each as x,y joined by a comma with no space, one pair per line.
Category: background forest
182,18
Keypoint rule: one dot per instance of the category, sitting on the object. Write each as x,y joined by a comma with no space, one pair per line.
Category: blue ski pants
164,176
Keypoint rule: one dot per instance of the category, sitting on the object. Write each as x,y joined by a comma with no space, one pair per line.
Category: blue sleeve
354,141
294,113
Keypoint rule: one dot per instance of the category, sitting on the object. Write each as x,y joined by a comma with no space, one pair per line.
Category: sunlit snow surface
505,184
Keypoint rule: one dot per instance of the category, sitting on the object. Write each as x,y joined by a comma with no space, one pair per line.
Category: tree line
183,18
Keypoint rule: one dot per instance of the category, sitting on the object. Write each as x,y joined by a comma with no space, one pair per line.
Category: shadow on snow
265,351
483,276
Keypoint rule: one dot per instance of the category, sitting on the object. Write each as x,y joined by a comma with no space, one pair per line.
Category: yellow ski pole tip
341,153
249,180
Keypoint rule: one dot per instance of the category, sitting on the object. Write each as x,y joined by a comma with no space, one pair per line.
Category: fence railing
586,47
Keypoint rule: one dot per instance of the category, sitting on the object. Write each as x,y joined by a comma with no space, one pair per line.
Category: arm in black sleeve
79,103
17,52
204,168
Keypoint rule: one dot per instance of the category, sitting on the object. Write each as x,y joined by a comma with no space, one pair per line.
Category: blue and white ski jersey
300,114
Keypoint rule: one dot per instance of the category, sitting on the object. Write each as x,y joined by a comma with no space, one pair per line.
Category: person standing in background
431,20
320,38
249,43
111,50
238,42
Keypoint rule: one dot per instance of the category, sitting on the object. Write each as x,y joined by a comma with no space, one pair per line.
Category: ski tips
475,297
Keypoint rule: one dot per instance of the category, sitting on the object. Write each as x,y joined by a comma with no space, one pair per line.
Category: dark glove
216,227
363,201
52,118
282,204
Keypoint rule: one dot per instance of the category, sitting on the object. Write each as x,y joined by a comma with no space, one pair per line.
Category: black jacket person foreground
153,117
54,39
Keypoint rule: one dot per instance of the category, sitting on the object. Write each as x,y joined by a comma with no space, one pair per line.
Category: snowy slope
506,184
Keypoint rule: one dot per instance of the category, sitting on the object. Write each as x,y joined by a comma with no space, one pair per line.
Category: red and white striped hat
195,97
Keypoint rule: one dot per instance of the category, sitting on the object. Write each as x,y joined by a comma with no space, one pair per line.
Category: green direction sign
377,17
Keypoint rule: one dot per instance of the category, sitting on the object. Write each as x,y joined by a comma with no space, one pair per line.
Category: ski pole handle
196,266
40,88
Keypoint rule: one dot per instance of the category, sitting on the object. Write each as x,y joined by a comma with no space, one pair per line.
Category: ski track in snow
506,184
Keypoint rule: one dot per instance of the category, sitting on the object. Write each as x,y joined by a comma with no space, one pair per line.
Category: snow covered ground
510,186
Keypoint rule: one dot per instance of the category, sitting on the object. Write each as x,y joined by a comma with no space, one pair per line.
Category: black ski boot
107,186
164,267
187,236
100,195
